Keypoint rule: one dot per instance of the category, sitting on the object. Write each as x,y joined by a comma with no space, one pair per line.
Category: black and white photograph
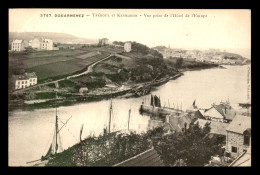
129,87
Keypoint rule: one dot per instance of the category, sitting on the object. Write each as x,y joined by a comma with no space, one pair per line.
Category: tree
178,63
192,147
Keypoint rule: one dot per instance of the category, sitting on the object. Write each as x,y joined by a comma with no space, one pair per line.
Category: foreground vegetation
191,147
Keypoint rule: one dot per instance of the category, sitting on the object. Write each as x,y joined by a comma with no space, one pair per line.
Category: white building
40,43
127,47
103,41
47,44
19,45
26,80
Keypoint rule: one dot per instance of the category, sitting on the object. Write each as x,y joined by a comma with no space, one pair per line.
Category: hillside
56,37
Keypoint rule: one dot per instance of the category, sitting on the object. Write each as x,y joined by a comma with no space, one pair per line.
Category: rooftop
239,124
147,158
230,114
220,108
177,123
216,127
17,41
26,76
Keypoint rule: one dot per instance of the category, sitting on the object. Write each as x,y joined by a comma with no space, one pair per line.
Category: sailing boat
56,145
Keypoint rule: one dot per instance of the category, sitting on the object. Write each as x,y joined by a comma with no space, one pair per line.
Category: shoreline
78,99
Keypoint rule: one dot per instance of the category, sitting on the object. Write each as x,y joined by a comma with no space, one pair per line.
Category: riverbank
132,90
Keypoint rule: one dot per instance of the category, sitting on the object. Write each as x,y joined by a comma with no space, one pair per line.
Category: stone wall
236,140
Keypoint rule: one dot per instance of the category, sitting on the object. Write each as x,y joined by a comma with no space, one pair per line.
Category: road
90,69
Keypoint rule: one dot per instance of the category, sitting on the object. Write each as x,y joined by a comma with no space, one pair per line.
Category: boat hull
159,110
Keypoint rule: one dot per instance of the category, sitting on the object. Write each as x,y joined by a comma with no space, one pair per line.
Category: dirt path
90,69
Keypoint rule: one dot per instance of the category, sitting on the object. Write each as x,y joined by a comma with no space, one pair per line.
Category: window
18,82
33,79
246,139
22,82
234,149
30,80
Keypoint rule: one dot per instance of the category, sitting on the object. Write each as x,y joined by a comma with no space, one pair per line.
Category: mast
129,118
56,142
110,114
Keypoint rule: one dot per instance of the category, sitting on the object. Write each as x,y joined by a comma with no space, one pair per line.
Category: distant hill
56,37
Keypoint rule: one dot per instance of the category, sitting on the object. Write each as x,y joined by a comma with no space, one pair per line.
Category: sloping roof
31,75
220,108
147,158
239,124
17,41
177,123
19,77
216,127
26,76
230,114
47,40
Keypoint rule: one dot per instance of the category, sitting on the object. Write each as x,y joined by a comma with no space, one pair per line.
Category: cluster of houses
37,43
209,56
224,121
26,80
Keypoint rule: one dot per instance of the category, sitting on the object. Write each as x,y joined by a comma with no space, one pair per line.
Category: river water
30,132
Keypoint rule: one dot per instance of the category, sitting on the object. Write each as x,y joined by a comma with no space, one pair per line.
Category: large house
103,41
26,80
238,138
221,113
19,45
40,43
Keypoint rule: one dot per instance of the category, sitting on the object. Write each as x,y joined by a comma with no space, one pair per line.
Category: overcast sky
224,29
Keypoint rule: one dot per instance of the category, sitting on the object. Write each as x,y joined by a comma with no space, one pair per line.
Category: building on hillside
127,47
238,137
26,80
47,44
103,42
36,43
19,45
40,43
30,43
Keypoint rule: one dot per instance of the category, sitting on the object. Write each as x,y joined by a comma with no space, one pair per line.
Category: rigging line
64,124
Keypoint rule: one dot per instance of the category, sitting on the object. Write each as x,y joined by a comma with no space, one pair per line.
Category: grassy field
105,68
121,62
48,64
54,69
